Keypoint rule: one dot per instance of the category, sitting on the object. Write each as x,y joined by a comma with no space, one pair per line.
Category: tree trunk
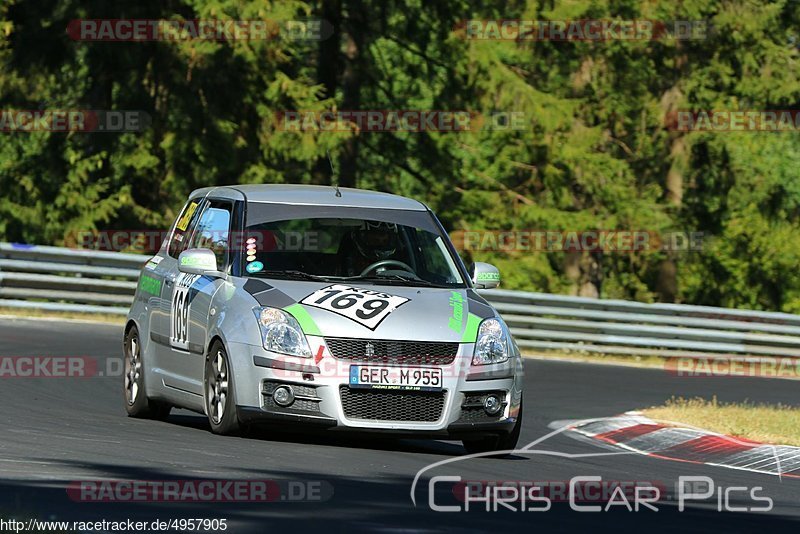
667,281
327,74
354,31
675,174
667,284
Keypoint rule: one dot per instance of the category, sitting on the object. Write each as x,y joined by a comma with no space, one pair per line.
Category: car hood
411,313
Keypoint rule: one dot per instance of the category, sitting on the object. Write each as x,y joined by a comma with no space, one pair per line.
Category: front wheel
137,404
220,401
504,442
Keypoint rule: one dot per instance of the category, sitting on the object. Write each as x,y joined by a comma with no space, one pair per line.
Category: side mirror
485,275
199,261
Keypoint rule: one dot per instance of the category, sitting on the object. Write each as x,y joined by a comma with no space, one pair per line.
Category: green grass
768,423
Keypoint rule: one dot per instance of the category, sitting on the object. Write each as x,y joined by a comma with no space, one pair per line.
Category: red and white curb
673,441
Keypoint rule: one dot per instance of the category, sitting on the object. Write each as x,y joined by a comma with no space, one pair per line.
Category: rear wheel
220,401
503,442
137,404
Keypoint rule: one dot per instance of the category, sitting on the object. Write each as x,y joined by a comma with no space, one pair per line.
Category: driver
372,242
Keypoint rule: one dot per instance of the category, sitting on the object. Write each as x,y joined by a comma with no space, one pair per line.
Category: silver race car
314,306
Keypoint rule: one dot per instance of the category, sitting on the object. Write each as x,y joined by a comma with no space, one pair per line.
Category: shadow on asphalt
375,504
349,440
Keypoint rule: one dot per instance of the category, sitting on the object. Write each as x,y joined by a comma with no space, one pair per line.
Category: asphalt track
60,430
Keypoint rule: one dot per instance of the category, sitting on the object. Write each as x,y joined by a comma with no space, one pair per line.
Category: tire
502,442
219,392
137,404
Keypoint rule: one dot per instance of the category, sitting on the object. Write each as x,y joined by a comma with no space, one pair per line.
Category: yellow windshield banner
184,222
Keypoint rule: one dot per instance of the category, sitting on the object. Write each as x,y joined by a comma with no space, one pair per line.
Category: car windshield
369,245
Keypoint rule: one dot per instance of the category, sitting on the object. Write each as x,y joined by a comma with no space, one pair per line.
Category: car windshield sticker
184,222
251,252
255,267
364,306
179,324
153,263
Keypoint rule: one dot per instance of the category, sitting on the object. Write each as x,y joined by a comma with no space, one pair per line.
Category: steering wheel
381,263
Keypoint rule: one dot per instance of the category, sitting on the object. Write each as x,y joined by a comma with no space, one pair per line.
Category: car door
171,345
190,314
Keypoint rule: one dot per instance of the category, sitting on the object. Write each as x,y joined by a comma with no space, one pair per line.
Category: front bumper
291,421
325,399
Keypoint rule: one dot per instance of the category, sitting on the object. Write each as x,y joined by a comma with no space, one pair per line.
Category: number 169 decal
179,316
364,306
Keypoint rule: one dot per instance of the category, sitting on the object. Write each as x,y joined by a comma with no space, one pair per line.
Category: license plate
405,378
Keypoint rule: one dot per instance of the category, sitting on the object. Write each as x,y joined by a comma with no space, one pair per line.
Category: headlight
492,344
281,333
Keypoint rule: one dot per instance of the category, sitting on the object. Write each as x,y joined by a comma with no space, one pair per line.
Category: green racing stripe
304,319
471,331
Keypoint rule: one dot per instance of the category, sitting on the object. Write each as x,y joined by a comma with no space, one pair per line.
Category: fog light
492,405
283,396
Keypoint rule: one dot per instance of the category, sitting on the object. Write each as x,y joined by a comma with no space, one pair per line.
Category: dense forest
594,149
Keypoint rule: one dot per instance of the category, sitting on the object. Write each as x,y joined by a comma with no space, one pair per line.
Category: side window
184,226
213,231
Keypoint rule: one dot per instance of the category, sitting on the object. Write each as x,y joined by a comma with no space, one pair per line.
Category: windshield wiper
294,275
395,278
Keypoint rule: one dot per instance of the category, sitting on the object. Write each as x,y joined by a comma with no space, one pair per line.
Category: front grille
478,415
391,351
302,405
392,405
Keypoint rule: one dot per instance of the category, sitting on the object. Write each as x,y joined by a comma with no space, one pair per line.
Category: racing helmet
376,240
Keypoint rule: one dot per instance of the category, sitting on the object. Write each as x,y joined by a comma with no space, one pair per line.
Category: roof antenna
333,175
